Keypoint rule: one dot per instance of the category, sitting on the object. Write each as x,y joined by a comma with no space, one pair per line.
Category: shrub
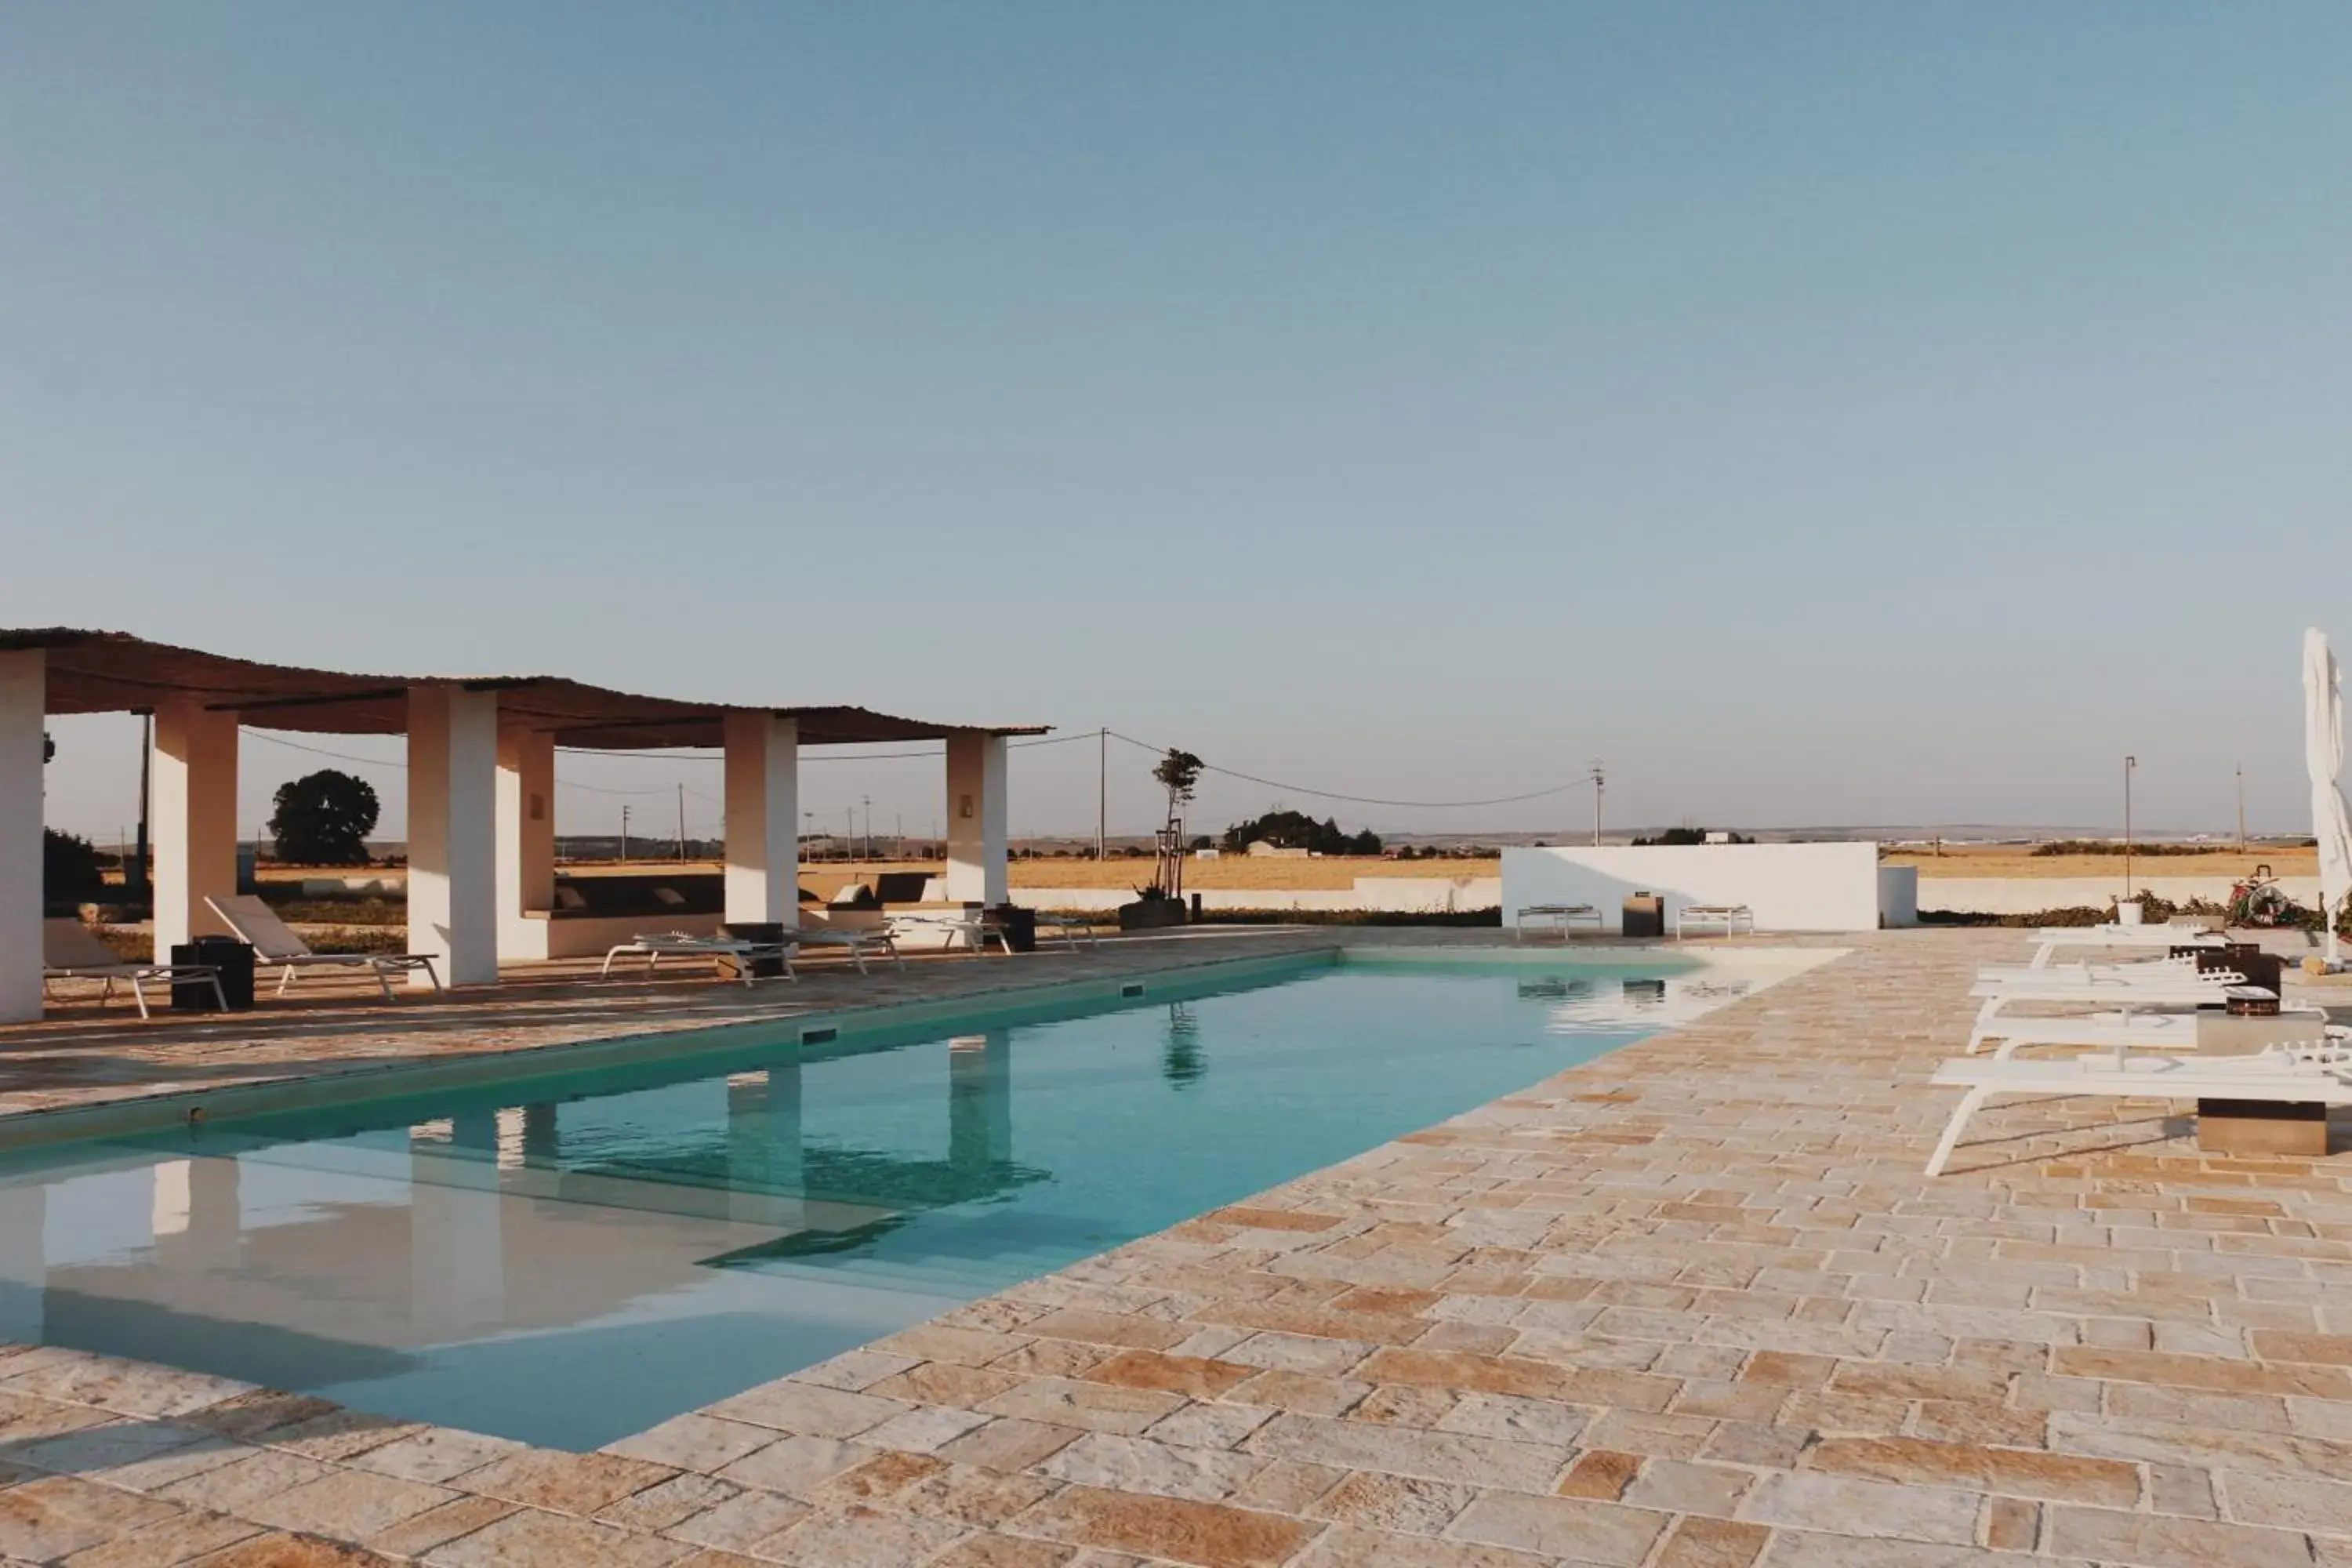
69,869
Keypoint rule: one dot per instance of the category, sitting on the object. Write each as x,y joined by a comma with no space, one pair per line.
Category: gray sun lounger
275,945
71,951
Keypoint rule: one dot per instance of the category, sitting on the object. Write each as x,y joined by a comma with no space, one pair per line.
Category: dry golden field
2018,860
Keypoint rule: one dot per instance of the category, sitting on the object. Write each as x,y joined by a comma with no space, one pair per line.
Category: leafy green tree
323,819
1179,774
1297,830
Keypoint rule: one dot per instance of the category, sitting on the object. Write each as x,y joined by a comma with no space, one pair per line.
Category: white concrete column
194,821
763,813
24,687
976,857
526,813
453,898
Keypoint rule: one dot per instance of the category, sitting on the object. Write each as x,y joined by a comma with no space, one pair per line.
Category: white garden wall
1791,887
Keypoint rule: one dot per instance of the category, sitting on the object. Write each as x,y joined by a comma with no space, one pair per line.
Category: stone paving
1689,1305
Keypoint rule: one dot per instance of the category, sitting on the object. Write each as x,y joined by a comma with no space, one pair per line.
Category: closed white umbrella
2322,753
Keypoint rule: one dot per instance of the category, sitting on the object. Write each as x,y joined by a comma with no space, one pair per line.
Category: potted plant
1154,906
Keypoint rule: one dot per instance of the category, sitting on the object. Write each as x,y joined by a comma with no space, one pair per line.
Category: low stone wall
1385,895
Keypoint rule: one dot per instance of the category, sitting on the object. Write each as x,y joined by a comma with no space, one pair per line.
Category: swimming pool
571,1257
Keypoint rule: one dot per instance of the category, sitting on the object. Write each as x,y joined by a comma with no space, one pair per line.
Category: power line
1046,741
1364,799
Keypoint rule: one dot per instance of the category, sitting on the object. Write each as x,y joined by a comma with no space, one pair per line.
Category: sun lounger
1562,918
2024,976
1071,928
2168,1029
1728,918
726,953
2319,1072
71,951
2050,938
855,943
274,943
971,925
2179,988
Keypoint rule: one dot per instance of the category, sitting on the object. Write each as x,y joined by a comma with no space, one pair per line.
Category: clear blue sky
1826,413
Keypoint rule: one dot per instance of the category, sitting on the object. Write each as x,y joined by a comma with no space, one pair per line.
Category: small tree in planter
1162,904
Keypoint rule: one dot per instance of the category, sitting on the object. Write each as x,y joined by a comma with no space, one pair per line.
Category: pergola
481,775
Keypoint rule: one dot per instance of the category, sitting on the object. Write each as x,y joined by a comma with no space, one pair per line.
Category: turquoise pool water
572,1259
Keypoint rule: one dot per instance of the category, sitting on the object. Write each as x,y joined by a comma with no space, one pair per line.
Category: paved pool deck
1692,1305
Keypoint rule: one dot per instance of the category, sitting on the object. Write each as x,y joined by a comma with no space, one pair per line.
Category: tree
1297,830
1689,835
1179,774
323,819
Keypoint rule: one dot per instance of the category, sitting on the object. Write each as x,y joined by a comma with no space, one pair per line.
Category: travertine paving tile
1689,1305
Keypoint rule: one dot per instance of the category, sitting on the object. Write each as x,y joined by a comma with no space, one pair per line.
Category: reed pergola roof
113,672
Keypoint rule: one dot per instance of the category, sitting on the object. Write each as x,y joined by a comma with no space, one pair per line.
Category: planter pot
2127,911
1148,914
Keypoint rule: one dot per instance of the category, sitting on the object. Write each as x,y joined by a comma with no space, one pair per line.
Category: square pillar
193,827
763,810
976,855
526,824
24,688
453,897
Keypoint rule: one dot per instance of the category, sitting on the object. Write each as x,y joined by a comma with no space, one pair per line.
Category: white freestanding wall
1790,887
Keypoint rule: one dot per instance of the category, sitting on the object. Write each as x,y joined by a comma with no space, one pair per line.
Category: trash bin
767,966
1645,915
232,958
1019,926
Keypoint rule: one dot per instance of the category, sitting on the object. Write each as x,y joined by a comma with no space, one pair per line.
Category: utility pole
625,833
849,833
2241,809
1598,784
146,776
2130,763
808,836
869,824
681,822
1102,787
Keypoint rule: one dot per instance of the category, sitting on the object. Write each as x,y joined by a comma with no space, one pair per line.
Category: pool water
570,1259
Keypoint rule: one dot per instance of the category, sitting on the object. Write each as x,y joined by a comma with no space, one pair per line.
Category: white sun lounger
726,953
2024,976
273,943
1561,917
1072,928
2319,1073
948,925
2050,938
2169,1029
855,943
1728,918
71,951
2210,990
